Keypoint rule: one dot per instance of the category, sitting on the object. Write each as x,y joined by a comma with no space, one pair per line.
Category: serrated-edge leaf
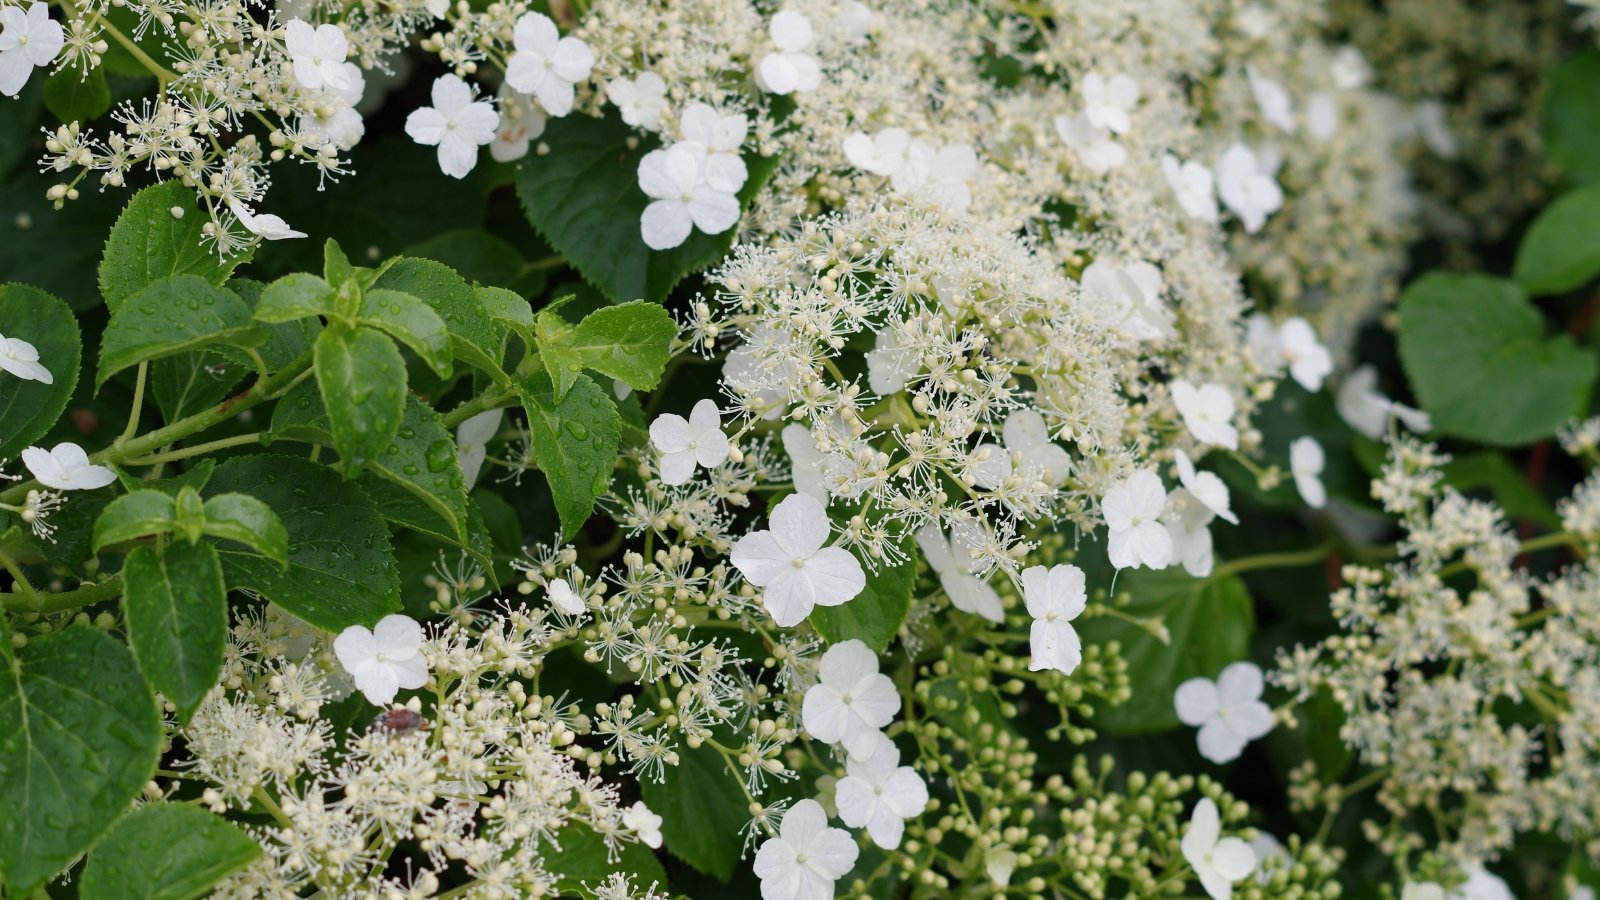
412,322
168,851
361,377
148,243
243,518
132,516
575,440
171,316
292,297
177,610
28,409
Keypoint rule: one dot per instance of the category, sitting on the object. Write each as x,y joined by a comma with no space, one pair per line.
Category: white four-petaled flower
790,562
567,601
682,198
1132,511
719,137
66,468
1108,101
1219,861
937,175
384,659
791,69
27,40
1228,711
1027,439
644,823
1367,410
472,443
456,123
21,359
1272,99
881,154
879,794
1247,187
640,100
317,55
1306,461
806,858
1194,186
1208,411
1130,299
1095,147
1205,487
687,443
545,64
952,561
1308,360
1054,597
852,701
520,123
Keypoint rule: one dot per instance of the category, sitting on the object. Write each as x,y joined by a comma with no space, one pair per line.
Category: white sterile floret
457,123
1367,410
27,40
790,562
1219,861
66,468
1322,116
1272,99
1194,186
1247,187
1270,855
1349,69
791,69
1132,511
332,116
641,821
881,154
890,365
1107,102
21,359
264,225
720,137
1228,711
851,701
1308,360
1306,461
1129,298
472,443
807,856
805,461
879,794
520,124
640,100
681,197
953,562
937,176
1095,148
687,443
1207,412
384,659
1028,438
1206,487
1054,597
545,64
317,54
566,600
1188,521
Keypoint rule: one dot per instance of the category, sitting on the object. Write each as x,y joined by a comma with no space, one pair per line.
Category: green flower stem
84,595
237,440
1288,559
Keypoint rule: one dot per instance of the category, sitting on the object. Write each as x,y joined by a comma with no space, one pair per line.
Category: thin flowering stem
238,440
1287,559
86,595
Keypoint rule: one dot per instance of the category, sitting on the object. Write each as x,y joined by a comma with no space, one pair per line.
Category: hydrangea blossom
1218,861
1027,438
28,40
1108,102
520,123
566,600
851,701
807,856
265,225
1228,711
791,69
881,154
952,561
545,64
641,821
790,562
1365,409
1322,116
682,197
641,100
472,442
1187,521
937,176
1208,412
1054,597
66,467
1130,295
1247,187
1205,487
688,443
1272,99
318,54
720,137
21,359
1096,149
384,659
1132,511
456,123
804,461
1308,360
879,794
1306,461
1194,186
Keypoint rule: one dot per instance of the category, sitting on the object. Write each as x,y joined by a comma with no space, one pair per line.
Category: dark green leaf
169,851
171,316
702,809
56,250
875,615
412,322
189,382
1475,351
79,737
476,337
583,859
575,440
177,610
341,571
75,97
132,516
243,518
630,342
362,380
29,408
1572,116
1561,250
149,243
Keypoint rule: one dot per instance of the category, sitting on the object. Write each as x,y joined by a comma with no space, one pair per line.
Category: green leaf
1475,351
171,316
1572,116
342,569
189,382
177,610
29,408
631,343
412,322
875,615
149,243
168,851
133,516
702,809
336,268
475,336
362,379
243,518
509,309
1208,623
579,856
76,97
287,341
294,297
1561,250
79,737
575,440
584,198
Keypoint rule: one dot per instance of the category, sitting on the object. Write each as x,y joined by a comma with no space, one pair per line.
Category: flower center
799,562
382,657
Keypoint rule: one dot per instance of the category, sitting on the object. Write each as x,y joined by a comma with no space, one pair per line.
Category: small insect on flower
401,720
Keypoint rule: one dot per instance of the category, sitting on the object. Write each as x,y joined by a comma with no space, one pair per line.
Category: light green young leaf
134,515
362,379
243,518
172,316
149,243
476,337
177,611
294,296
630,342
412,322
29,408
575,440
167,851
